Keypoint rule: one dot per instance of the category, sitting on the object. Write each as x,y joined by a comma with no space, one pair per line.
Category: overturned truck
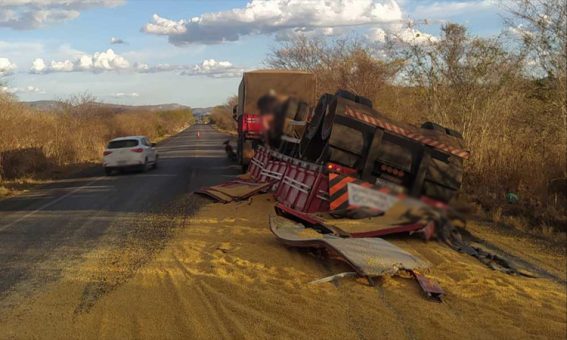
345,135
348,136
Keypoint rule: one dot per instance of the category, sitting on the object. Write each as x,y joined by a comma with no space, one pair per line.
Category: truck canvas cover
255,84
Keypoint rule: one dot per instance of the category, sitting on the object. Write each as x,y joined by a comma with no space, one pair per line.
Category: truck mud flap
235,190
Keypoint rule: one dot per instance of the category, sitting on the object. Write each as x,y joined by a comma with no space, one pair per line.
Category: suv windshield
126,143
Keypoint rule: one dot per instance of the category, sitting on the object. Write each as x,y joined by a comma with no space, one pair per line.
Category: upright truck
253,86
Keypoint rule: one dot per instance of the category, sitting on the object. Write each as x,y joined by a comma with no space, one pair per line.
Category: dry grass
33,143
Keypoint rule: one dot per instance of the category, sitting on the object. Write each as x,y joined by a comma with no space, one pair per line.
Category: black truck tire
245,147
312,144
318,115
346,95
441,129
353,97
364,101
329,120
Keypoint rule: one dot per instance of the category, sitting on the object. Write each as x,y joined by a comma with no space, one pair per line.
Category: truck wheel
310,149
318,115
346,95
246,152
353,97
441,129
364,101
329,120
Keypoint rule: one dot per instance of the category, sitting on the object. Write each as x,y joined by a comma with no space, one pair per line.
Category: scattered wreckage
344,174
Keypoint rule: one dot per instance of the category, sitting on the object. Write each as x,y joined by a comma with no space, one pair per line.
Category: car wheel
108,171
145,166
155,163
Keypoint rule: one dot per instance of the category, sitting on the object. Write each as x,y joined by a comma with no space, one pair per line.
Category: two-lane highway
62,221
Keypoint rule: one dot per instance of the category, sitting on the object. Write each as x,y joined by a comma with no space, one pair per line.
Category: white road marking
48,204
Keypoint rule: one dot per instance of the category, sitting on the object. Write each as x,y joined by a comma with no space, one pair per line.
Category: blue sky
187,52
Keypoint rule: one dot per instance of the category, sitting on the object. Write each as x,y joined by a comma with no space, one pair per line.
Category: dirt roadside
227,277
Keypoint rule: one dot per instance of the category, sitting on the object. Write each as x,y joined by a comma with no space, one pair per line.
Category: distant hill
201,111
50,105
43,105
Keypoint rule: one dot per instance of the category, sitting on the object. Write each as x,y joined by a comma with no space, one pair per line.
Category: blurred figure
271,116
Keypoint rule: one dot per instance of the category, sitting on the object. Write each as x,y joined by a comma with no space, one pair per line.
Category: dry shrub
221,115
33,142
348,64
485,90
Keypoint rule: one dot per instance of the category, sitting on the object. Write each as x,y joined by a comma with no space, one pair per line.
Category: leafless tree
542,28
348,63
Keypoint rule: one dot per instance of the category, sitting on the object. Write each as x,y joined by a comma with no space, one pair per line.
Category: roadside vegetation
221,115
506,94
36,145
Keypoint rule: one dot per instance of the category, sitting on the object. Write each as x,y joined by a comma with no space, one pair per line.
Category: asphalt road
60,222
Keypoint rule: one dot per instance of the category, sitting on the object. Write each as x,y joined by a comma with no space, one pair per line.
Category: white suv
129,152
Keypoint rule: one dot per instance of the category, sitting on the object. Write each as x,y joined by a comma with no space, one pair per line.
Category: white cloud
126,95
291,33
145,68
273,16
162,26
208,68
110,61
451,8
116,41
6,66
215,69
26,89
400,33
98,62
413,35
38,66
64,3
377,34
520,31
31,14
